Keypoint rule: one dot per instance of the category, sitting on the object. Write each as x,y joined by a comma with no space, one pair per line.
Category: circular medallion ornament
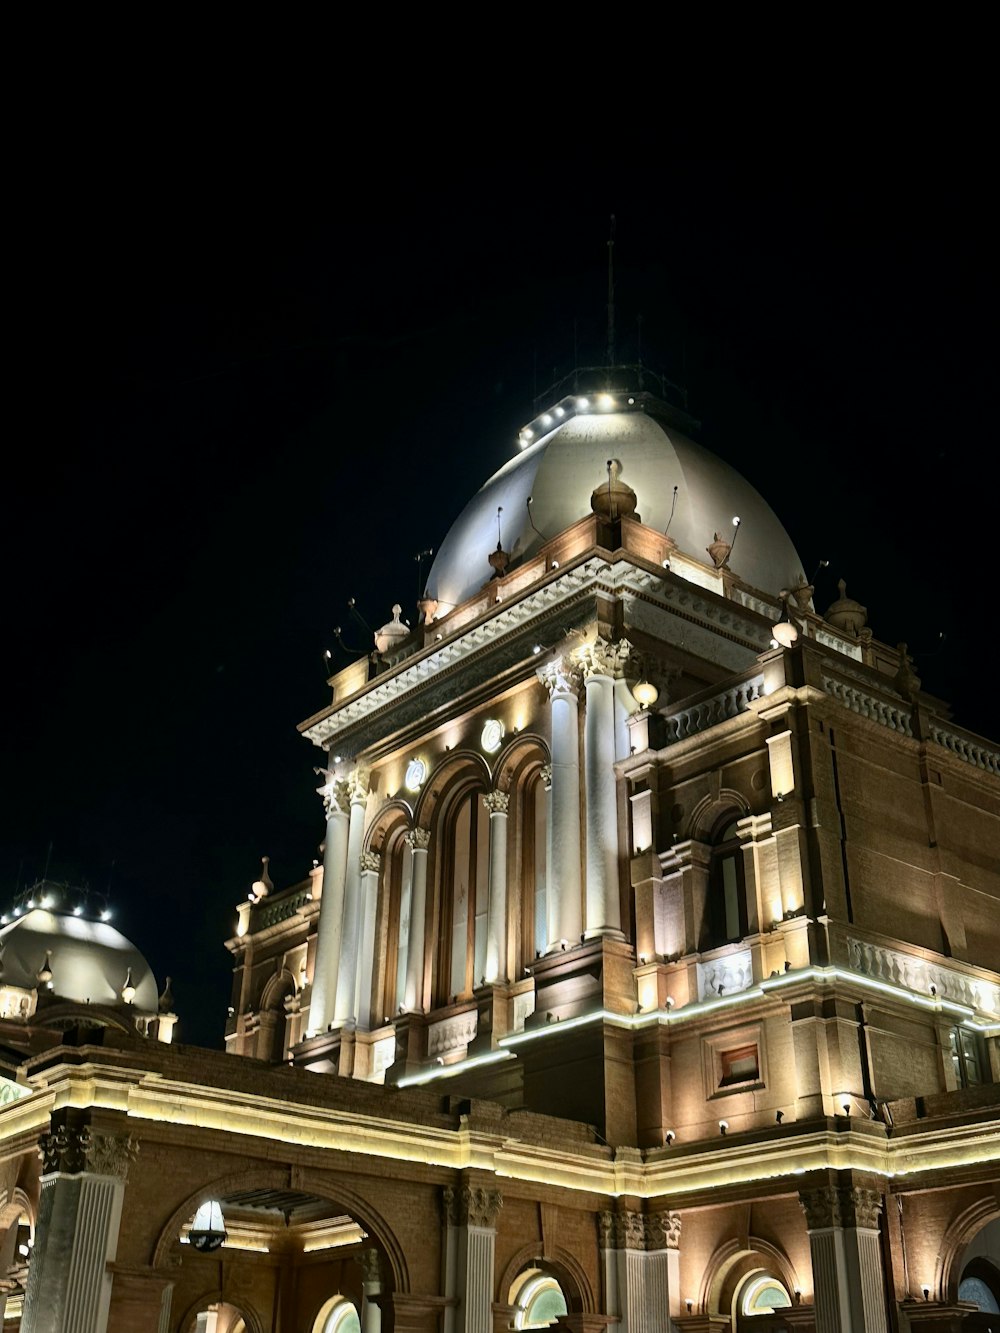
416,772
492,737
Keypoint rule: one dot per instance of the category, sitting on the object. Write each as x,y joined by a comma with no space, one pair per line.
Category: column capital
357,784
468,1205
496,802
418,839
370,1263
73,1149
545,773
371,862
335,793
603,658
625,1230
840,1206
562,676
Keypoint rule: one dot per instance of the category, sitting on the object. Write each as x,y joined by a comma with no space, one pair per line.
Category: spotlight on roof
78,910
31,903
582,404
537,649
736,520
547,419
4,919
560,411
106,914
605,402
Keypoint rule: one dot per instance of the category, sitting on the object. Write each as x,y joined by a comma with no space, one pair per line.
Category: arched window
727,887
465,865
338,1315
538,1299
761,1295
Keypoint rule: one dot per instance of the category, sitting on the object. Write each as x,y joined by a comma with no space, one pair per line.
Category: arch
390,817
277,990
733,1262
318,1323
522,751
707,817
343,1198
565,1267
440,783
13,1206
249,1315
959,1232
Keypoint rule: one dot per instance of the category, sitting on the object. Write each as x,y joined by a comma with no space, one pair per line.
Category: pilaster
347,976
848,1279
470,1243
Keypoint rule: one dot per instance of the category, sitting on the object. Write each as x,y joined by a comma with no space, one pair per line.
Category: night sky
240,399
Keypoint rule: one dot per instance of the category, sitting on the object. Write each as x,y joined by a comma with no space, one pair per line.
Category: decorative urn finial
392,632
165,1003
44,973
263,886
846,614
719,551
906,680
614,499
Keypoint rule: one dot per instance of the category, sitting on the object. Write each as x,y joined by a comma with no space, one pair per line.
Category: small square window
741,1065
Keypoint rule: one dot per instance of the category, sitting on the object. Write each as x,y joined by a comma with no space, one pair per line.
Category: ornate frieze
418,839
371,861
626,1230
496,802
725,976
841,1206
452,1034
468,1206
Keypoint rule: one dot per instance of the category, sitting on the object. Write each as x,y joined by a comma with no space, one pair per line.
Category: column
414,999
371,1286
76,1235
347,973
603,897
563,890
329,931
641,1269
848,1279
496,803
371,864
470,1244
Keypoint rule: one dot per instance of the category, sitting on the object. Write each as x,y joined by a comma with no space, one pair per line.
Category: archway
979,1269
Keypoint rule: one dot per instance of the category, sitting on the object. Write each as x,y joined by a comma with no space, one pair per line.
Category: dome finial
845,613
499,559
614,499
44,973
263,886
128,988
392,632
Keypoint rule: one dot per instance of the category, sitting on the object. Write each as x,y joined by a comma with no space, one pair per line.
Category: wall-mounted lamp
669,1137
723,1126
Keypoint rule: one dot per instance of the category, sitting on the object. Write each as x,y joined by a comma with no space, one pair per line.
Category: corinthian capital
371,861
418,839
602,658
335,793
841,1206
546,775
65,1149
496,802
112,1154
468,1206
357,784
563,676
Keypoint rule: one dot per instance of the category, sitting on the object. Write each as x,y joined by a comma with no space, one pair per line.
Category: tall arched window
465,883
727,887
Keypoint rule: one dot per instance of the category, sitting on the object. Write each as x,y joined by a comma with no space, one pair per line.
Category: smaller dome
89,959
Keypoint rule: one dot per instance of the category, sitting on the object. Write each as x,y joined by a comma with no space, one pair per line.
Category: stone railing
917,974
895,716
726,975
273,913
452,1034
966,746
702,714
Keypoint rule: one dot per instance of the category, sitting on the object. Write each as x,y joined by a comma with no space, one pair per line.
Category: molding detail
418,839
841,1206
452,1034
112,1154
664,1231
371,861
602,658
467,1206
497,802
725,976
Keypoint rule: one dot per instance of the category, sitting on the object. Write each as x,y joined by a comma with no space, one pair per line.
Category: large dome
561,470
89,959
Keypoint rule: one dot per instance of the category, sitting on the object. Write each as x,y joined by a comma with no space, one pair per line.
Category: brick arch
248,1313
12,1205
734,1261
704,821
342,1197
959,1232
562,1264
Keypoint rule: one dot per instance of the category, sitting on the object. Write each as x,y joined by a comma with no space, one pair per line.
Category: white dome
561,471
89,959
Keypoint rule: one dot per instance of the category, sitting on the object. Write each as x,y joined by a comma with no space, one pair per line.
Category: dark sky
251,387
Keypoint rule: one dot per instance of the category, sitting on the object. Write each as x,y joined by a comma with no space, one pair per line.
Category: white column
329,931
848,1279
76,1234
641,1269
496,803
207,1321
414,999
370,865
563,890
470,1245
603,898
625,706
371,1285
347,973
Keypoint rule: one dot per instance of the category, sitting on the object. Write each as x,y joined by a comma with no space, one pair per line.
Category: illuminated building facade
648,977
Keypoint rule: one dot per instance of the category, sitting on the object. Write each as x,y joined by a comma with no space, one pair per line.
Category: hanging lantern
208,1230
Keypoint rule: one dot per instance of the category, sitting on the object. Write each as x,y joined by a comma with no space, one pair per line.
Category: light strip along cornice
670,1173
565,585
